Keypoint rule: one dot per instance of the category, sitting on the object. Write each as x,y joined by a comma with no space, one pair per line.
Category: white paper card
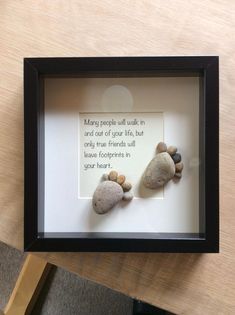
125,142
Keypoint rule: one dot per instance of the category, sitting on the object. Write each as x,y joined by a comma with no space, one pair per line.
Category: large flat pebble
106,196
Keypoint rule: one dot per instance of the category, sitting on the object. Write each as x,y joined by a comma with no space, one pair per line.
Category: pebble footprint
163,167
110,191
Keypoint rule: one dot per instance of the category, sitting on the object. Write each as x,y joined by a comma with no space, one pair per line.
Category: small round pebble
105,177
176,158
178,175
127,196
161,147
126,186
179,167
172,150
113,176
121,179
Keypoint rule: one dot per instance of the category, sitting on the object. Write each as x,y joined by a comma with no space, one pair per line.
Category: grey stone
106,196
159,171
127,196
176,158
105,177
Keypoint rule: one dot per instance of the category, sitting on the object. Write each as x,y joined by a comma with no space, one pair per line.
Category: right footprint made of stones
163,167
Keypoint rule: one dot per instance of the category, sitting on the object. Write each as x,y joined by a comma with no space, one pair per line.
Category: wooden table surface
182,283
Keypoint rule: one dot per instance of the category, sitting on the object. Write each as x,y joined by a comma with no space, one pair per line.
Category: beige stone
126,186
178,175
172,150
179,167
159,171
121,179
113,176
161,147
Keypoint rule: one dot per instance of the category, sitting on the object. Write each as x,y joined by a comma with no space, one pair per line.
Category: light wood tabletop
181,283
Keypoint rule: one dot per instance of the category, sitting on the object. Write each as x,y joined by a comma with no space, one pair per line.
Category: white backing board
177,98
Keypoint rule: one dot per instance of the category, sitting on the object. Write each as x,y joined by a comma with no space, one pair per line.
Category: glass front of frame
95,125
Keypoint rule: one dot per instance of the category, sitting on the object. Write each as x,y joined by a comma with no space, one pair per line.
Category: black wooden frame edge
120,245
212,153
33,69
31,85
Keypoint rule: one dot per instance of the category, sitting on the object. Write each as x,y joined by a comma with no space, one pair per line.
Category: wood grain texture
182,283
28,286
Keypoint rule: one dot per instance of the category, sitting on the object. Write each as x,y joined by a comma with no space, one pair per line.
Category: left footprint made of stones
110,192
163,167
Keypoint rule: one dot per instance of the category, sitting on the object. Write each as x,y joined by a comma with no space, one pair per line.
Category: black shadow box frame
36,69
